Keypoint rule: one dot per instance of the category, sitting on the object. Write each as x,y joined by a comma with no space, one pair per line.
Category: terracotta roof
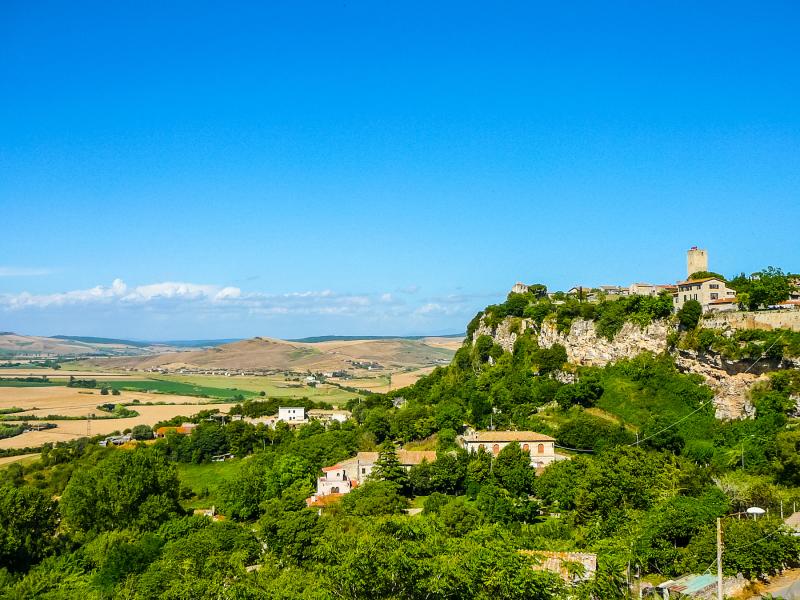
406,457
509,436
702,280
321,501
332,468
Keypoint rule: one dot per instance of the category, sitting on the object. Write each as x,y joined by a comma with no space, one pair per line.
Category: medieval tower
696,260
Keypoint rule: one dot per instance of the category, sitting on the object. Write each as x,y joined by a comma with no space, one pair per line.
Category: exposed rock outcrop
731,391
731,381
585,347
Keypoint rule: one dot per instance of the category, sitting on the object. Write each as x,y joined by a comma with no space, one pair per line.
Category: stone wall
765,319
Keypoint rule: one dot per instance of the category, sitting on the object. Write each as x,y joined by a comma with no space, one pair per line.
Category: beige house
642,289
705,291
540,447
328,416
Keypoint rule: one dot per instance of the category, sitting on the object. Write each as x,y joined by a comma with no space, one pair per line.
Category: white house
540,447
334,481
292,414
342,477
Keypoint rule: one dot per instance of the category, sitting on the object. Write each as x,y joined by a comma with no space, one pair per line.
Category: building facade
328,416
705,291
292,414
540,447
696,261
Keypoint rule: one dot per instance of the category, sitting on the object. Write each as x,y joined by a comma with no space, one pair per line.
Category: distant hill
147,344
14,345
101,340
22,346
392,354
350,338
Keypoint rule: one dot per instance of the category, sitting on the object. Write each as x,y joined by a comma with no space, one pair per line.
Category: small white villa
342,477
292,414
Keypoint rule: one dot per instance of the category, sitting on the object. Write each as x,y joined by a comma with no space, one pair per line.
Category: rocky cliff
730,380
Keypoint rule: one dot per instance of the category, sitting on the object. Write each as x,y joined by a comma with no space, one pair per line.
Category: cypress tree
388,467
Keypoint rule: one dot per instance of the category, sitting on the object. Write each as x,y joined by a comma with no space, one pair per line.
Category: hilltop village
709,289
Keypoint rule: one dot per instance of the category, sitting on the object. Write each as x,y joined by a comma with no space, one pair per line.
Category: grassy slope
207,476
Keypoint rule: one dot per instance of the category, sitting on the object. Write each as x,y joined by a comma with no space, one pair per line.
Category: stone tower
696,260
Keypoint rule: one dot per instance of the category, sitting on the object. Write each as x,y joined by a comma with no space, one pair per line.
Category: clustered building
344,476
712,293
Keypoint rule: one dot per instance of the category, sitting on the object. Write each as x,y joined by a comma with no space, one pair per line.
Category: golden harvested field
449,343
58,400
401,380
22,458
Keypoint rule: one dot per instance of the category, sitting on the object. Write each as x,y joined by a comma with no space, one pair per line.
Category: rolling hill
18,346
265,353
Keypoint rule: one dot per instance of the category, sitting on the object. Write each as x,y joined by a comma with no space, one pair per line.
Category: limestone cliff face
728,379
585,347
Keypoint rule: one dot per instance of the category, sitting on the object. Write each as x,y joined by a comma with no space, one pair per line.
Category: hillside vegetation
650,471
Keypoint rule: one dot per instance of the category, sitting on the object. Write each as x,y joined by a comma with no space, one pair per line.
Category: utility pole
719,559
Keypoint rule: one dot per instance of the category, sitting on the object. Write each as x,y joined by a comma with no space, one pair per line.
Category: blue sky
204,170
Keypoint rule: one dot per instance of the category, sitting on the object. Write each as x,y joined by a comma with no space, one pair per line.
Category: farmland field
273,387
23,459
174,394
76,402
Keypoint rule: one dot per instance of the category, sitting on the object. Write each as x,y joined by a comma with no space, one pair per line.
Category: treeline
609,315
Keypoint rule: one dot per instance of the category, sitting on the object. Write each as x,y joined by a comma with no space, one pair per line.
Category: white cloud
23,272
171,299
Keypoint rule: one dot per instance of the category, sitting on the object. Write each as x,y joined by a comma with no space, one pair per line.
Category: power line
573,449
777,339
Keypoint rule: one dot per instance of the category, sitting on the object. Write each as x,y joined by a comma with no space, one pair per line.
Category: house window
541,449
526,448
334,490
714,296
363,470
496,449
714,286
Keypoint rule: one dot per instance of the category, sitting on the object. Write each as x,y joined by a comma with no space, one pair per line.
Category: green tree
375,498
788,454
136,488
388,468
142,432
512,470
690,313
27,523
770,286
